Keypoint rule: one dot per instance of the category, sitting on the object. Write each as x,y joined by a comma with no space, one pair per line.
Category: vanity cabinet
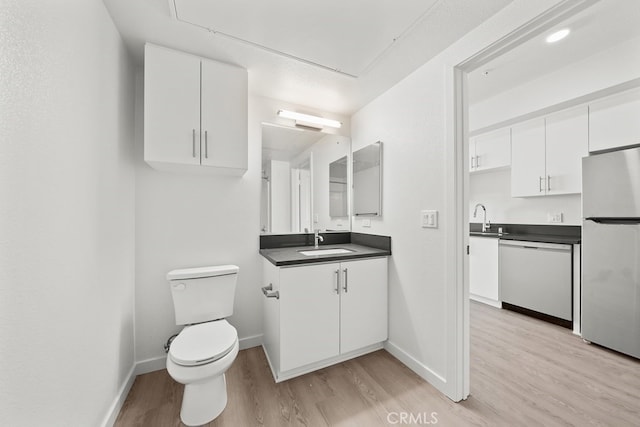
195,113
546,157
490,150
615,121
323,313
483,270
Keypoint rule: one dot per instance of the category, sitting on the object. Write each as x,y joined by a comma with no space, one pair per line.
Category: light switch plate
429,219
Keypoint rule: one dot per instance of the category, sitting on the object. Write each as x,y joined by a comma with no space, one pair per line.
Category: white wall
608,68
414,120
185,220
66,214
493,190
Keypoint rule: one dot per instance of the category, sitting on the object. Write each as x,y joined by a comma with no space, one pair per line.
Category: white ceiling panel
344,36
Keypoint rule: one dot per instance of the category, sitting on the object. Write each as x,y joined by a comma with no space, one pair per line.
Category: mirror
367,180
338,194
305,181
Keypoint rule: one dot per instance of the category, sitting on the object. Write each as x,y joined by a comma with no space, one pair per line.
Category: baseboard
151,365
484,300
249,342
114,409
423,371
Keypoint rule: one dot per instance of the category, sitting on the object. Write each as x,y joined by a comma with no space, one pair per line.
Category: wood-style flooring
524,372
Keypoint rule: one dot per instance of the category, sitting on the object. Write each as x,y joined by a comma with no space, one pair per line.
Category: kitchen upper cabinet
483,270
490,150
528,159
547,154
615,121
195,113
567,140
323,313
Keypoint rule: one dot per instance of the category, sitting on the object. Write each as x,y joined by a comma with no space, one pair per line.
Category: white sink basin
334,251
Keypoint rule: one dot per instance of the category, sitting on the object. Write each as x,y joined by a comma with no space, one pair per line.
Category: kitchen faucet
317,237
485,224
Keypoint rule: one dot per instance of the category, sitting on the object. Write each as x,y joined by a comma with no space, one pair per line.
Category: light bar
307,118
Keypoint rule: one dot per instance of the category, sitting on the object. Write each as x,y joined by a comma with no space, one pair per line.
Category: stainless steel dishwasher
537,276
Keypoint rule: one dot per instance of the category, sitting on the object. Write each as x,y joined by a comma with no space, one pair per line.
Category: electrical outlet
555,217
366,222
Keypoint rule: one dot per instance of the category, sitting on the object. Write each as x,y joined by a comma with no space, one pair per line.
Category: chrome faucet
485,224
317,237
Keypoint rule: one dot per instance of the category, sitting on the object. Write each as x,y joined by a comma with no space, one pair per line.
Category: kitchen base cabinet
319,314
483,270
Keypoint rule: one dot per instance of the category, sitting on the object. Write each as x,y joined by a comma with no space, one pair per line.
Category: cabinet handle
269,292
346,281
193,143
473,162
548,182
206,145
337,289
540,187
477,162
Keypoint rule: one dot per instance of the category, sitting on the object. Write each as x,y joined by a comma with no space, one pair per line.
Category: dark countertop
562,234
291,256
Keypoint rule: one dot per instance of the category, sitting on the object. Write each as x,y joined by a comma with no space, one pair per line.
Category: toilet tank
203,294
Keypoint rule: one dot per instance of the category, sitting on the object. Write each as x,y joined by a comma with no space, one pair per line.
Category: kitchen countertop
292,256
568,235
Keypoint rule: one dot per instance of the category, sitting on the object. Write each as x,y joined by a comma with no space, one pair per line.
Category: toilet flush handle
179,286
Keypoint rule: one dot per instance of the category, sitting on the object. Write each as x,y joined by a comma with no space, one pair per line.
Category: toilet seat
203,343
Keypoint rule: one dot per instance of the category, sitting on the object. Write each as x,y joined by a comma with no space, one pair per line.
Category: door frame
459,152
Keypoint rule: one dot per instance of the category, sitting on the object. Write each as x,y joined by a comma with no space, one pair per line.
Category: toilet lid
203,343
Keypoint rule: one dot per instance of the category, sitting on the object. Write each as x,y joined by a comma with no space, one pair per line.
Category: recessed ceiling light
558,35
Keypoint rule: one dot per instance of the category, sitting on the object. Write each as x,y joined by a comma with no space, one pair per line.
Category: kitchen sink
333,251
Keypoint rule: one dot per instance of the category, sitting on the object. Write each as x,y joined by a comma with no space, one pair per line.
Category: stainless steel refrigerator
611,250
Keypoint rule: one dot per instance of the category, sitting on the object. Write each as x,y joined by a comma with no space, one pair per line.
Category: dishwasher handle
536,245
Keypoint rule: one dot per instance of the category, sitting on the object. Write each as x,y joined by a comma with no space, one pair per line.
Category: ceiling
599,27
331,55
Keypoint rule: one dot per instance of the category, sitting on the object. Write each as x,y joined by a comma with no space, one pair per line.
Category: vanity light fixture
309,119
558,35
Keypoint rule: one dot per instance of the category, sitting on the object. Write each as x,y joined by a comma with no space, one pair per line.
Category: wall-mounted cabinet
195,113
324,313
547,153
615,121
490,150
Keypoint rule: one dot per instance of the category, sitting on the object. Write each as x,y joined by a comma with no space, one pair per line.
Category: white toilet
207,346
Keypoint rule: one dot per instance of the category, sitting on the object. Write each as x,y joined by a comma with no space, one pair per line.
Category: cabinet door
363,306
472,154
615,121
493,150
528,159
483,267
224,115
271,314
567,140
309,314
171,106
